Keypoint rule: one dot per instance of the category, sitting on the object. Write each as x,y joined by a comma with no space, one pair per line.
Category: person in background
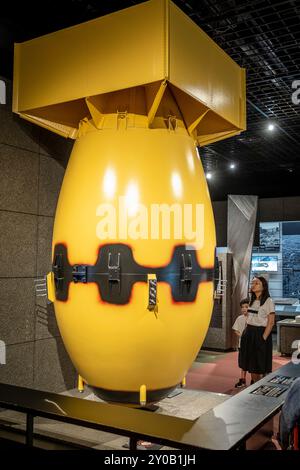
290,416
239,327
256,342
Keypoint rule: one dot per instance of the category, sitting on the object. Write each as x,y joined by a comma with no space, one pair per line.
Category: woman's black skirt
256,353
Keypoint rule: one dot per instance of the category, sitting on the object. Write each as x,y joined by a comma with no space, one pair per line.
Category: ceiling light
232,166
208,176
271,127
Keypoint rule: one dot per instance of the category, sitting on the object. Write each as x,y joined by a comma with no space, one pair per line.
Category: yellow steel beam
95,113
194,124
64,131
211,138
156,102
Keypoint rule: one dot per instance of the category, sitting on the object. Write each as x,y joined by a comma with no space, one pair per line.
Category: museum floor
217,372
210,381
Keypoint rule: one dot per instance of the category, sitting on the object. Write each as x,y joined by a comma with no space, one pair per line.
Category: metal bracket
187,268
79,273
172,123
152,294
152,291
186,271
41,287
58,270
219,282
122,120
114,271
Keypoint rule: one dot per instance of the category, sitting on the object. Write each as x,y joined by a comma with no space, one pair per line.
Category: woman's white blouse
258,314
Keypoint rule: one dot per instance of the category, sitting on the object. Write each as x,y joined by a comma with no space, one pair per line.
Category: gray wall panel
29,186
45,229
18,241
51,176
54,371
17,310
18,369
19,179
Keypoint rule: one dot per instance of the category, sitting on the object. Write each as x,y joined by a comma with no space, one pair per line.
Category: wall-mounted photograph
291,259
269,236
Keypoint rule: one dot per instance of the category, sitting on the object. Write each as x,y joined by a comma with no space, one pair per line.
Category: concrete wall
31,170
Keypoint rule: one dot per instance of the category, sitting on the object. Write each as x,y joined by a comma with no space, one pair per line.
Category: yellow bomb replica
134,236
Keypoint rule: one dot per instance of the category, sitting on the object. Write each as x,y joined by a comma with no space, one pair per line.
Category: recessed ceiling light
208,175
232,166
271,127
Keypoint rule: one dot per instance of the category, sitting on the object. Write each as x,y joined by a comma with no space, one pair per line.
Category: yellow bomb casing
117,348
137,97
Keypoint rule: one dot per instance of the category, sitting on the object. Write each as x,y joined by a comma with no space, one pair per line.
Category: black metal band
116,271
133,398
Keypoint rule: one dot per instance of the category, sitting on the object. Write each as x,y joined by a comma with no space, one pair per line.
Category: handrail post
133,443
29,429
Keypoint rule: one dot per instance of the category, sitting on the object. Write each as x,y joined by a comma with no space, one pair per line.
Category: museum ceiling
261,35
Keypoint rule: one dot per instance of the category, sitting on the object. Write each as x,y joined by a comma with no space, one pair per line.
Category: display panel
291,259
269,236
268,391
264,264
282,379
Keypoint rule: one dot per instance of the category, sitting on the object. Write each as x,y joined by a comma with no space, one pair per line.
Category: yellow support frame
61,78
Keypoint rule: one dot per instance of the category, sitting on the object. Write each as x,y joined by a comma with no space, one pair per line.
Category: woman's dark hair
243,302
265,292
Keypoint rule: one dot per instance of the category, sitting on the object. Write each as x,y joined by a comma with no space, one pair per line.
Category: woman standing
256,342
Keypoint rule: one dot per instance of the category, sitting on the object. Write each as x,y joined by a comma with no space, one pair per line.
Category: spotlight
232,166
208,176
271,127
